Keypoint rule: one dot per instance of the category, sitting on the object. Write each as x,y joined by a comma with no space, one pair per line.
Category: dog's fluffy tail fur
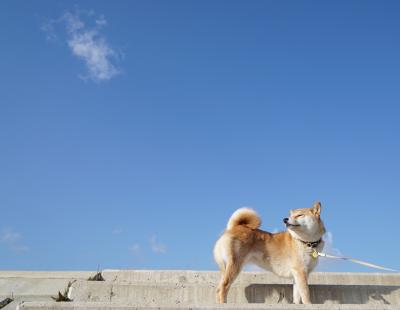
246,217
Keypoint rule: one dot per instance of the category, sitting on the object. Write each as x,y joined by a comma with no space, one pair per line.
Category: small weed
5,302
64,296
97,277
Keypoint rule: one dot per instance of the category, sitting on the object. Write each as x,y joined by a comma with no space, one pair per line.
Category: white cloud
10,236
20,248
328,247
87,43
12,240
117,231
101,21
48,29
275,230
73,22
157,247
136,249
327,264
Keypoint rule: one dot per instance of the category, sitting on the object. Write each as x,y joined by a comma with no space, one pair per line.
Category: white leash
316,254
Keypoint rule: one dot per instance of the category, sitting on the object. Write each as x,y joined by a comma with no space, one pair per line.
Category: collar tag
314,253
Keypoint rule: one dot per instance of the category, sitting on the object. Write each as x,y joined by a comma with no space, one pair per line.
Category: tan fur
282,253
244,216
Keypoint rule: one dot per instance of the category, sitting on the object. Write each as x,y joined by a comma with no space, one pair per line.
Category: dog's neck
313,244
311,238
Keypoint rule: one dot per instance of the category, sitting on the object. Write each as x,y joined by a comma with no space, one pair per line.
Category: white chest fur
305,255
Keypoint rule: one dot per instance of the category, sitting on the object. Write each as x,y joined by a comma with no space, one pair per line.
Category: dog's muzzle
286,221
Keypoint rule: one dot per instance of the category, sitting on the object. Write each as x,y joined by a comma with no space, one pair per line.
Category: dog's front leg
296,294
300,287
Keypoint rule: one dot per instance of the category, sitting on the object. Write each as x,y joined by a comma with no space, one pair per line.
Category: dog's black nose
285,220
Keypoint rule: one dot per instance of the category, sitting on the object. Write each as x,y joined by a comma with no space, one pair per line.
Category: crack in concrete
112,294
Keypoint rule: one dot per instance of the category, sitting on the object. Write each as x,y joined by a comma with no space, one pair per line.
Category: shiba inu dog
291,253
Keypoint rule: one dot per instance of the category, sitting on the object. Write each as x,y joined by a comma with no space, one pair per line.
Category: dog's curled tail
246,217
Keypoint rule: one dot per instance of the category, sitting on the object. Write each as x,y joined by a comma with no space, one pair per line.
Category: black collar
311,244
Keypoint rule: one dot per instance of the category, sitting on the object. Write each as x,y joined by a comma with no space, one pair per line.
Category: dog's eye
300,215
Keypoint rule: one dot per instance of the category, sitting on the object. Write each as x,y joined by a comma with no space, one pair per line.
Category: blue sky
131,131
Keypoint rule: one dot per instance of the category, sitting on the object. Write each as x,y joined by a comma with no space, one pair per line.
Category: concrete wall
131,289
198,288
35,285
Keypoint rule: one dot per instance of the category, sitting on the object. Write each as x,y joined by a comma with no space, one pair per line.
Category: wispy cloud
156,246
48,29
329,248
83,31
10,236
13,241
136,249
19,248
276,230
117,231
326,263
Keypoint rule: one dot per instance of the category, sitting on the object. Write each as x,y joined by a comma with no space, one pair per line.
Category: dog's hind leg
220,262
231,272
222,267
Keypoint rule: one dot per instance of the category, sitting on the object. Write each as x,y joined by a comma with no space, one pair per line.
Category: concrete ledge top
114,306
46,274
189,276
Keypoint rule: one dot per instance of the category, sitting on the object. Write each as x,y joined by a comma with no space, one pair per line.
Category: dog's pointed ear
316,209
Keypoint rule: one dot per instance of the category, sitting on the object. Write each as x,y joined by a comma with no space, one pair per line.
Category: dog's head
306,224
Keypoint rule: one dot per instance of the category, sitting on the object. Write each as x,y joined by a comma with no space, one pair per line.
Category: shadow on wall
328,294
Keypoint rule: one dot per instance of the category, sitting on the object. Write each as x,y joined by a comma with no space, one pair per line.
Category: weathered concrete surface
45,274
113,306
198,287
41,283
197,294
195,289
20,299
36,285
32,287
212,277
